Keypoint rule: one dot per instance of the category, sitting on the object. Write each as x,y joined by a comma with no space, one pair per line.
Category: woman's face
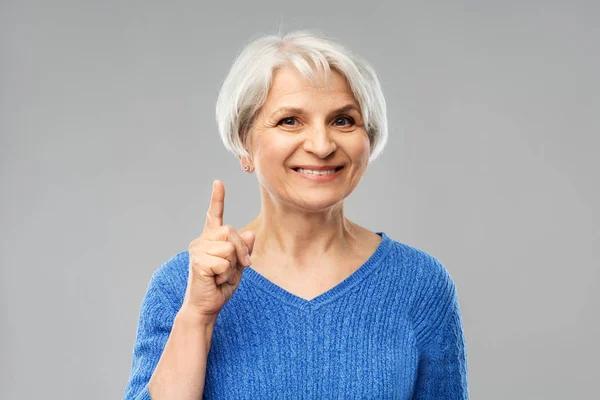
324,129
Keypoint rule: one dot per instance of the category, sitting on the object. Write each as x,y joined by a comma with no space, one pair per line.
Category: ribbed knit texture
391,330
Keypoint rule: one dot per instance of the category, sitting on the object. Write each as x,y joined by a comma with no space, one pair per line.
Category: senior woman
301,303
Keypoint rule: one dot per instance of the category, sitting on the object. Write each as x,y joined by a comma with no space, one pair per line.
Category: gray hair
245,89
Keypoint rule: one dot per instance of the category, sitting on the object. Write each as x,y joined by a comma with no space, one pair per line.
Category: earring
246,168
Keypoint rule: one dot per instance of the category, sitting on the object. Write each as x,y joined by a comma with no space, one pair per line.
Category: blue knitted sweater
391,330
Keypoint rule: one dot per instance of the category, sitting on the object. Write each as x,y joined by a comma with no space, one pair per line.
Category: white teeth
309,171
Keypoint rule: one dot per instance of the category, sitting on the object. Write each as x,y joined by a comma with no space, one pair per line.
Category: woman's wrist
193,319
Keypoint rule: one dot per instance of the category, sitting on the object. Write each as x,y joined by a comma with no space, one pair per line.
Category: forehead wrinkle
302,93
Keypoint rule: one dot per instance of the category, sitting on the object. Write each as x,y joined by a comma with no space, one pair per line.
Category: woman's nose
320,142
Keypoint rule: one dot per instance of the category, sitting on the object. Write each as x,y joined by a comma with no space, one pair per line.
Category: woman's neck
299,235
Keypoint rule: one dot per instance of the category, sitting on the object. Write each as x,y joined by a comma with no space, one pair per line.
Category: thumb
249,237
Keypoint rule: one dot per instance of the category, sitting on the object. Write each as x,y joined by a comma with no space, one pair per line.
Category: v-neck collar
291,299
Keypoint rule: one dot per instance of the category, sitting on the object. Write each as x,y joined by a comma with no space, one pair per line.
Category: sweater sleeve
154,327
442,371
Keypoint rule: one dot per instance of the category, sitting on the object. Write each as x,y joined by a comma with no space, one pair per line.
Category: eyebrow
296,110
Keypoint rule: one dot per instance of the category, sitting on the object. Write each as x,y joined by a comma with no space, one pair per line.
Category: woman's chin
318,203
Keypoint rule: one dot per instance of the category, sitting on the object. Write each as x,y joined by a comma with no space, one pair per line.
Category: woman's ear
246,164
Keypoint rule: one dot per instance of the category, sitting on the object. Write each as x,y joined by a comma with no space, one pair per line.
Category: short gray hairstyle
245,89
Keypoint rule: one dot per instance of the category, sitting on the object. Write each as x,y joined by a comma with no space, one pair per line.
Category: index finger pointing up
214,215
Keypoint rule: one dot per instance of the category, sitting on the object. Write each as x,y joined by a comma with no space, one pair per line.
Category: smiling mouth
336,169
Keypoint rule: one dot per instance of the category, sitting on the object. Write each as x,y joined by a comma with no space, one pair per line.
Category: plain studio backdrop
109,147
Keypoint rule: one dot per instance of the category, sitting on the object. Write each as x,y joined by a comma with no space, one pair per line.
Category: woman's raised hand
217,260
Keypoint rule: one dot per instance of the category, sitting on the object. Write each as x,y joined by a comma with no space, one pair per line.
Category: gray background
109,146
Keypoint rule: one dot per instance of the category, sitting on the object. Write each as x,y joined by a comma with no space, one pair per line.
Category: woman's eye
350,120
286,121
